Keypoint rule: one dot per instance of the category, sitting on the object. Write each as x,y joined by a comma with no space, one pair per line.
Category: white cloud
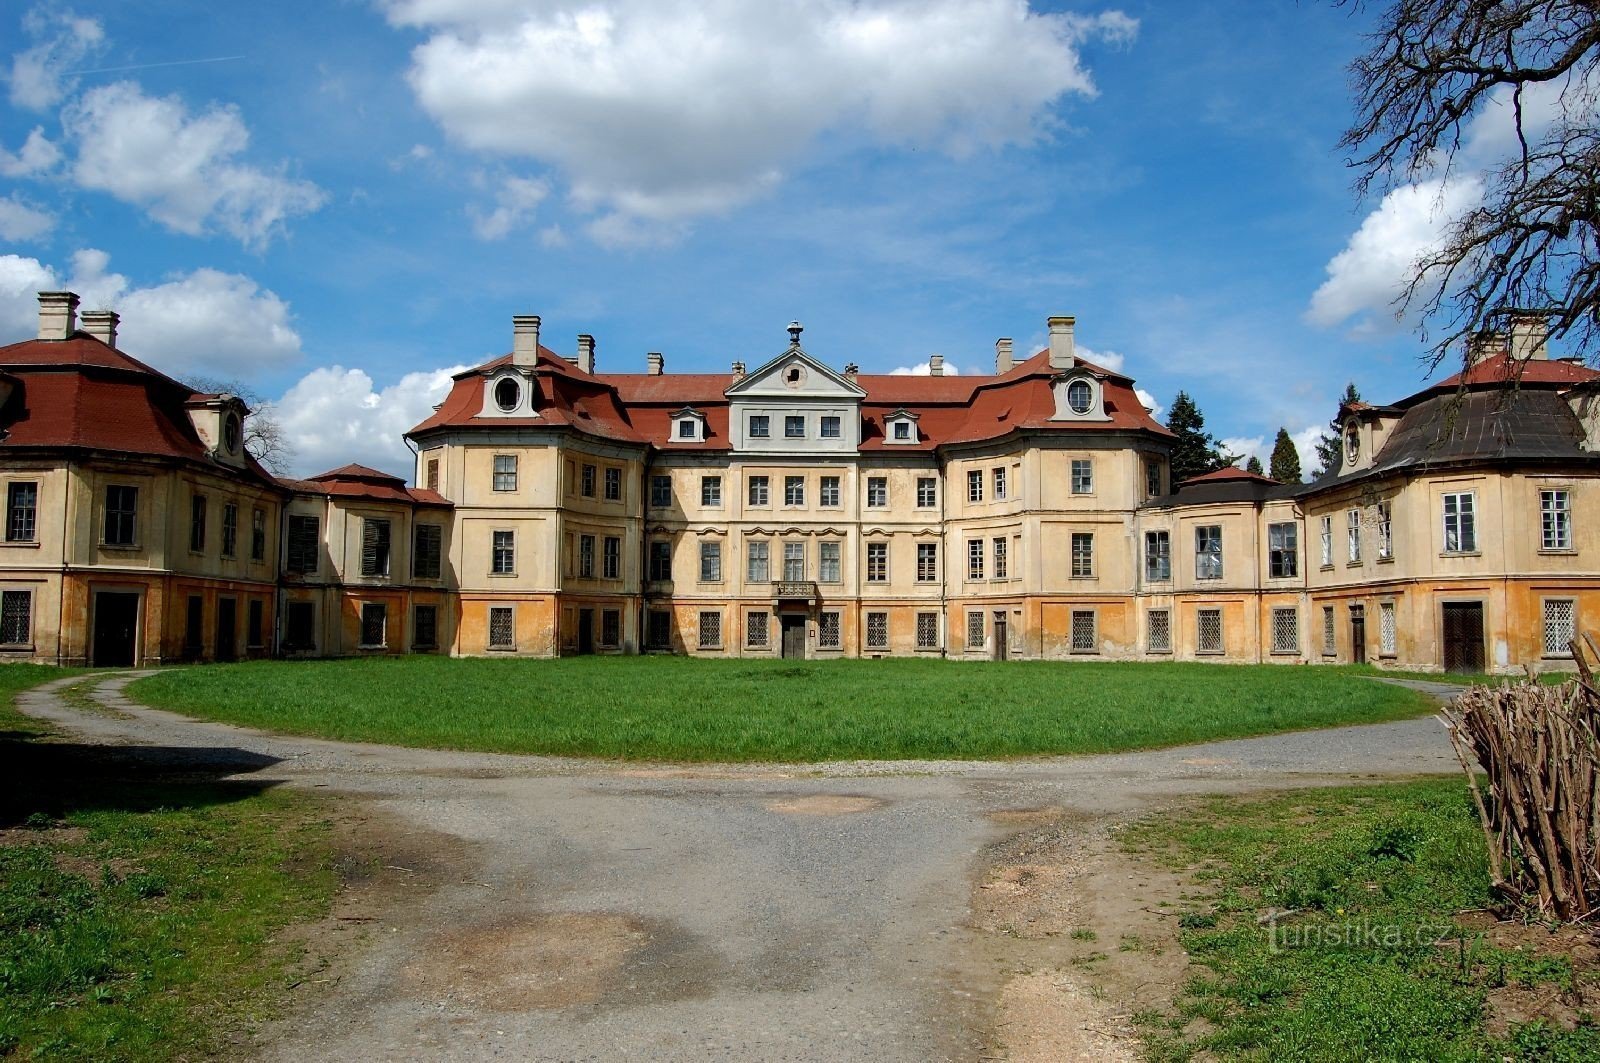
21,222
660,111
1150,403
335,415
21,279
1305,443
924,369
40,75
179,167
515,202
36,156
1109,360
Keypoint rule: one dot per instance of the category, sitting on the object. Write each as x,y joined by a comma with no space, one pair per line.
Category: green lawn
681,709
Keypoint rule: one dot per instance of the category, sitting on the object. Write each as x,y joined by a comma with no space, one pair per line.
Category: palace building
792,509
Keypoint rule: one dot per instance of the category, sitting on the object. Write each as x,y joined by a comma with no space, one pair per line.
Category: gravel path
572,910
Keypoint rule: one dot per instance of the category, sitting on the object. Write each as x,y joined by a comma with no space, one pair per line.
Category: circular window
1080,396
1352,444
794,377
230,433
507,394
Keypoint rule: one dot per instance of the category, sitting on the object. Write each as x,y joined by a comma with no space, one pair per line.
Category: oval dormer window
1352,444
1080,396
230,433
507,394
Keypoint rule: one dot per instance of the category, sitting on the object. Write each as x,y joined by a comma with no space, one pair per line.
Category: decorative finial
795,328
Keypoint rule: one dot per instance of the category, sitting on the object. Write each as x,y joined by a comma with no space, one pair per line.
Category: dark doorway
1358,634
1463,636
116,626
194,628
794,635
227,629
1002,643
585,631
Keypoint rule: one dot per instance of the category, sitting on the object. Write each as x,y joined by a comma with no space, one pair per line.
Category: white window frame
1459,516
1555,519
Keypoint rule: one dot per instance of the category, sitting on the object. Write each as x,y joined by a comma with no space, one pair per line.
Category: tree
1330,448
1432,69
1194,451
264,436
1285,459
1254,465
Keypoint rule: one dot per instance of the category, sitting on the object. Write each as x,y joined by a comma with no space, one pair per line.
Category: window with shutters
658,630
660,559
16,618
1330,635
1082,555
828,491
22,505
877,562
300,626
1083,631
374,624
425,627
1208,631
1002,559
877,631
711,490
502,627
585,556
755,629
611,558
828,631
610,628
255,616
197,523
927,631
374,547
927,562
586,481
1386,629
1559,630
1555,520
505,472
1158,631
427,551
258,535
710,631
975,486
122,508
758,491
230,530
877,491
661,491
1208,552
1353,529
975,630
711,564
1283,551
757,562
613,484
794,561
1460,529
828,562
1082,476
927,492
1286,630
503,559
794,490
1157,556
304,545
974,558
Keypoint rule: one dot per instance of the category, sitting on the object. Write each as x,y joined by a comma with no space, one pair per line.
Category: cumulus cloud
1109,360
516,199
924,369
1305,443
21,279
181,168
1149,402
40,76
21,222
661,111
336,415
37,156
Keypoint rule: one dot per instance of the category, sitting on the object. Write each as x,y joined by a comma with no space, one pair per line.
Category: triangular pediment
795,373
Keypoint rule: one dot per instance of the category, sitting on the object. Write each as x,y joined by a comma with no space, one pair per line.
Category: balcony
791,590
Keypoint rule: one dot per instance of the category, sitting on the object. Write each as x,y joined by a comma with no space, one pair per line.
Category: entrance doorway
1358,634
1463,637
227,629
585,631
794,635
1002,642
116,626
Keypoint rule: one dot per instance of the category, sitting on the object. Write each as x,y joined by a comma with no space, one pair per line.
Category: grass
140,911
1374,962
682,709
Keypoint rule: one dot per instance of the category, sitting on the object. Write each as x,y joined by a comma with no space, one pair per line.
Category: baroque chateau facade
793,509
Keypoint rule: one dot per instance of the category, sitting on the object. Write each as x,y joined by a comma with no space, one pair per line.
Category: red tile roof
360,481
1501,368
1232,472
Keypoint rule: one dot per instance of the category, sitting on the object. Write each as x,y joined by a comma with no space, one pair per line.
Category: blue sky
339,202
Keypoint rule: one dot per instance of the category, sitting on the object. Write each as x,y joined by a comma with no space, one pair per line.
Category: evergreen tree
1330,447
1194,452
1285,459
1254,465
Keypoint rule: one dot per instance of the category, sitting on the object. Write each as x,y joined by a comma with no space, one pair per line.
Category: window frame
230,529
612,485
503,479
753,573
423,551
1283,550
660,491
1202,616
418,642
1208,563
1353,534
502,552
1082,561
588,476
877,492
1150,645
927,642
382,612
830,421
258,534
1545,603
22,518
130,515
508,644
1092,644
1082,476
975,550
711,492
1555,517
829,495
871,639
295,543
710,561
758,491
794,426
877,562
997,483
1158,556
927,492
1465,521
830,554
197,523
709,618
765,426
382,545
660,573
974,486
611,557
1280,648
1000,554
927,562
24,595
794,490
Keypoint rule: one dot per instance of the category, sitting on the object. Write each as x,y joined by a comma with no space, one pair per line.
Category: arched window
1080,396
507,394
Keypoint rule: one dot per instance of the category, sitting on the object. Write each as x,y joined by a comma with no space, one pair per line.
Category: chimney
586,352
936,365
850,371
1002,356
1528,336
1061,350
738,370
525,340
102,325
654,364
58,312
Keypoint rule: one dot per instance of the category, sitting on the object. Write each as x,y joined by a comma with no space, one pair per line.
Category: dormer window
231,433
507,393
902,430
688,426
1352,444
900,427
1080,396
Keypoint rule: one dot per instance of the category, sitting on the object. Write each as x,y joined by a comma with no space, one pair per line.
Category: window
877,631
927,631
975,486
586,481
1460,535
1286,630
374,623
756,560
686,427
122,508
1082,476
1001,561
1555,517
1082,555
197,523
303,545
794,562
711,564
710,631
585,554
1158,631
22,505
613,484
1208,552
1327,542
258,534
828,637
611,628
504,553
254,615
1353,529
877,491
711,490
658,632
661,491
902,429
432,481
794,490
1152,479
425,627
502,628
829,491
426,551
794,427
300,631
1559,630
877,562
760,426
1330,637
1386,629
755,629
16,618
505,472
230,529
927,492
660,559
506,394
1283,551
828,562
974,558
1083,634
758,491
1157,555
611,558
999,478
374,547
829,427
1385,532
927,562
1080,396
975,630
1209,631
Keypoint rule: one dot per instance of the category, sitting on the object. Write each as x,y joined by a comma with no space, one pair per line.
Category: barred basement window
1083,635
755,629
710,631
877,631
16,618
975,631
1158,628
927,631
1558,627
1209,631
659,633
502,628
828,637
1386,629
610,628
1330,638
425,627
374,623
1286,631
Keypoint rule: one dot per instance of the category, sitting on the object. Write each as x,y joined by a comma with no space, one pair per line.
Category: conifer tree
1331,446
1254,465
1285,459
1194,452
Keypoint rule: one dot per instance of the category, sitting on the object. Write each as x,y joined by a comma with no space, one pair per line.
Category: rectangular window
1283,551
432,482
794,490
660,559
1002,563
686,427
425,627
661,491
427,551
1327,542
658,633
1286,630
756,562
611,628
927,562
975,630
122,508
1385,532
1559,629
1386,629
710,631
974,558
927,631
1157,556
230,529
1208,552
611,558
1208,631
877,562
829,491
504,561
1330,637
374,624
1082,555
197,523
613,485
902,429
755,629
300,627
16,618
877,491
502,628
999,478
1353,530
758,491
760,426
1152,479
829,427
711,563
794,427
505,472
22,506
828,562
1082,476
828,635
374,547
254,617
258,534
975,486
927,492
585,556
1083,633
587,481
794,562
877,631
1555,519
304,544
1158,631
711,490
1460,533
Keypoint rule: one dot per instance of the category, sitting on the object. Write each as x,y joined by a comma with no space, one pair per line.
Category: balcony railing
792,589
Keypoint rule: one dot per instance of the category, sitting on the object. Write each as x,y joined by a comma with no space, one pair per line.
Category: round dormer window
794,376
507,394
1080,396
230,433
1352,444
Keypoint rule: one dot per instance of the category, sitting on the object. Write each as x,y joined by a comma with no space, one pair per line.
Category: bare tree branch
264,436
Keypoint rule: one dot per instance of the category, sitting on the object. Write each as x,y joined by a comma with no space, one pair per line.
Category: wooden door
585,631
1463,637
794,636
227,629
1002,641
1358,634
116,625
